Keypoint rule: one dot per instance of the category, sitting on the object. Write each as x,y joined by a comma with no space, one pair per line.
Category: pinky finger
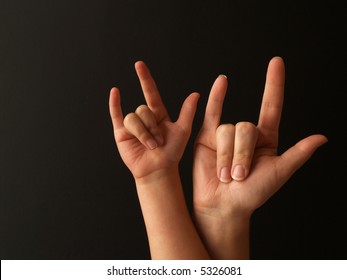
116,109
186,116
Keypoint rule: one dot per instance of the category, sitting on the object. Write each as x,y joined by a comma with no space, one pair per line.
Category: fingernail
225,175
151,144
239,173
224,76
159,140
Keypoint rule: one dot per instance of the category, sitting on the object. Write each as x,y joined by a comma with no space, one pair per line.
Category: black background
65,192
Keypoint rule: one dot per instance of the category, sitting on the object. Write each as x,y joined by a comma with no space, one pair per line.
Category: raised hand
147,140
237,168
151,147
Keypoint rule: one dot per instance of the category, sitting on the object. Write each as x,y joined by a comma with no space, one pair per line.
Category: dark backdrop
65,192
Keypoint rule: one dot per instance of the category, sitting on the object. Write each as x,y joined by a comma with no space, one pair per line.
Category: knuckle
243,155
129,118
245,127
224,158
141,109
225,129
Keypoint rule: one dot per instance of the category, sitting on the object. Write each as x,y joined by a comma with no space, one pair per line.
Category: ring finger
148,119
225,134
246,135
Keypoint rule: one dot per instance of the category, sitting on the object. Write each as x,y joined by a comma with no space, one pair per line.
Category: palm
142,161
250,193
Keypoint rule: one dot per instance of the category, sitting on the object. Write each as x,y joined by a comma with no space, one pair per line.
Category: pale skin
151,146
237,168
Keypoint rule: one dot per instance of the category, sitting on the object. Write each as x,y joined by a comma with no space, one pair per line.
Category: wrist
170,230
160,175
226,236
222,226
219,216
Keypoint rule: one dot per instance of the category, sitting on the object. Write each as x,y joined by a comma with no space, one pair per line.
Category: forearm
171,232
224,238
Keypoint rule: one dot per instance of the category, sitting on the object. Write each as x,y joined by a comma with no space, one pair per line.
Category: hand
236,168
147,140
151,147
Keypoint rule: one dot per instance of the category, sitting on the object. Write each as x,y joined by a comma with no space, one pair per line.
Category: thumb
186,117
292,159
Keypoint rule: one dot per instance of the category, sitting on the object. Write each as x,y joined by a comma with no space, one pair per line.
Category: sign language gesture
151,146
237,168
147,140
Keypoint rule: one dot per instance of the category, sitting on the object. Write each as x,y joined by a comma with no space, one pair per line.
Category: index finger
150,91
272,103
214,105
